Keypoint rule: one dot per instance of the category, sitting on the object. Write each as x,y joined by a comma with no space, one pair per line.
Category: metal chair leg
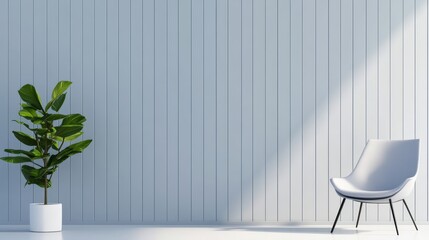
360,209
338,214
393,215
409,212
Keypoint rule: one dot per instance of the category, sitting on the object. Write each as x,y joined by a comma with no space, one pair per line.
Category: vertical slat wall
216,111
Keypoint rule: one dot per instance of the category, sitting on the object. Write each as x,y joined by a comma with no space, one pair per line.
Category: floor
134,232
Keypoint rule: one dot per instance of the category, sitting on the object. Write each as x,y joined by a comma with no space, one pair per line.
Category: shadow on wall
348,73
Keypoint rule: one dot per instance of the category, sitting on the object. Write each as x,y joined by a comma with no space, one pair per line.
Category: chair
386,173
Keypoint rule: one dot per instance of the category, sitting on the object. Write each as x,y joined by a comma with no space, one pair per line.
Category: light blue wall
209,111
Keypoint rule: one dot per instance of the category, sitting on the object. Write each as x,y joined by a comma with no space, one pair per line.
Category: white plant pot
46,218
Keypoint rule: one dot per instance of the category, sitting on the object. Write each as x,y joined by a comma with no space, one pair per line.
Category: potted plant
45,134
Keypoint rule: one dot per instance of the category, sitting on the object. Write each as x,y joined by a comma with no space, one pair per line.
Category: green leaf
25,114
25,139
73,119
52,160
19,151
47,171
25,105
39,182
16,159
68,152
53,117
29,95
37,172
70,138
67,130
58,102
29,113
40,131
58,96
30,172
23,123
55,145
36,153
60,88
33,153
80,146
37,121
73,137
45,143
36,176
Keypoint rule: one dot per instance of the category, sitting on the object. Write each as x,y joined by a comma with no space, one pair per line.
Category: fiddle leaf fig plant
45,135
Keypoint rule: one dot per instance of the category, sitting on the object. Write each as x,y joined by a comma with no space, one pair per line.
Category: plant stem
59,149
46,190
45,162
37,164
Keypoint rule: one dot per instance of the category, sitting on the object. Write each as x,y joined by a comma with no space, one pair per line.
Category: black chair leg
338,215
360,209
393,215
409,212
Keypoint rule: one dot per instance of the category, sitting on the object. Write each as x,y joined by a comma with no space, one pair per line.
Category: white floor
134,232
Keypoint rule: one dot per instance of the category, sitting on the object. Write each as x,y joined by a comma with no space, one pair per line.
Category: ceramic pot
46,218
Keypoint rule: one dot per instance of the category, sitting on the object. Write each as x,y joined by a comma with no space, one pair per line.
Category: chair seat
347,189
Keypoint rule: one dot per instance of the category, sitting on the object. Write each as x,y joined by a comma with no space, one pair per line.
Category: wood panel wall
216,111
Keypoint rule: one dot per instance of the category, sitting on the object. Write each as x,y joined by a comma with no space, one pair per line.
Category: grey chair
386,173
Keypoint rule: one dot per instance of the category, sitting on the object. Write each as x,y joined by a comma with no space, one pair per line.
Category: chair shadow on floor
303,230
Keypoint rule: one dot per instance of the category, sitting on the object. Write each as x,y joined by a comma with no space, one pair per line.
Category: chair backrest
385,164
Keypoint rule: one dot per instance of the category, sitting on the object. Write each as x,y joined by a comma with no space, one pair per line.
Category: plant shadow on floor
303,230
